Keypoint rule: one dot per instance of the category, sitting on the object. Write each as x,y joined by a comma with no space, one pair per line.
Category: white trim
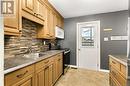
77,54
103,70
74,66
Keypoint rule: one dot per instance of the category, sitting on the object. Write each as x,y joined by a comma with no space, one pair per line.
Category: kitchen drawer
18,75
115,64
118,76
123,70
43,63
59,56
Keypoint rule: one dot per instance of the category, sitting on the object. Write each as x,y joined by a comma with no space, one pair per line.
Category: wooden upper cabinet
51,21
60,21
44,32
58,66
48,31
40,9
11,24
28,6
33,10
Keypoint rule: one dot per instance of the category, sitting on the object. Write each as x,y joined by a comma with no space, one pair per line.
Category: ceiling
74,8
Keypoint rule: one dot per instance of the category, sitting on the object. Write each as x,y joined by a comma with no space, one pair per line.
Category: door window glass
87,36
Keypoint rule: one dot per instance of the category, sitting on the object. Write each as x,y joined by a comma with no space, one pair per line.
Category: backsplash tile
20,45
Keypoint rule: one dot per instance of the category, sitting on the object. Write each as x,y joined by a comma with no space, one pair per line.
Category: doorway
88,45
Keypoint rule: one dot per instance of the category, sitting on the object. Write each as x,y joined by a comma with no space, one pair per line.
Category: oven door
66,61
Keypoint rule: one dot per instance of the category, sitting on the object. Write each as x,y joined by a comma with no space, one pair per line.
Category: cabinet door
51,74
40,78
43,32
46,76
28,81
59,66
62,23
11,24
58,21
113,82
28,6
40,10
51,21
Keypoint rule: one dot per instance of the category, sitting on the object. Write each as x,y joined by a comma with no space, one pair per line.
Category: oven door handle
66,52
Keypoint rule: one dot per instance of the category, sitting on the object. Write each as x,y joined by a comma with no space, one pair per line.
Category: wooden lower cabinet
117,73
21,77
58,66
44,76
42,73
113,82
28,81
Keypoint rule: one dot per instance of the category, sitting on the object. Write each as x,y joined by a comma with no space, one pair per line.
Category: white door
88,45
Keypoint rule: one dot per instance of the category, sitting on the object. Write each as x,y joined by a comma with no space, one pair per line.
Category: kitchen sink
34,55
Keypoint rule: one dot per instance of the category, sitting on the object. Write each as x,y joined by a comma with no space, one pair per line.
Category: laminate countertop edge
120,59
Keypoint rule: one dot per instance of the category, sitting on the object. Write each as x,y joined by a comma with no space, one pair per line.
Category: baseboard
103,70
73,66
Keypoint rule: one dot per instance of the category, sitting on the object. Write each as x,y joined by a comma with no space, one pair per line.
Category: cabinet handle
20,30
115,74
37,14
59,59
21,75
34,14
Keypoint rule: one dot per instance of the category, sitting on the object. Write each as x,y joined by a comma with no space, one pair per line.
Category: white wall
1,52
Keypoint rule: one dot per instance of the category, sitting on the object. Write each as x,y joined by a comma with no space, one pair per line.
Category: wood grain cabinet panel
44,76
117,73
113,82
40,10
28,81
19,76
43,73
59,66
123,70
115,64
48,31
33,10
28,6
11,24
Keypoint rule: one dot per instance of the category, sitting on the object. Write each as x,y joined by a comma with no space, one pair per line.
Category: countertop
15,63
120,58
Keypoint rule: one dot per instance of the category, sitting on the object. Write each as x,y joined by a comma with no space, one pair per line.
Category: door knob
79,49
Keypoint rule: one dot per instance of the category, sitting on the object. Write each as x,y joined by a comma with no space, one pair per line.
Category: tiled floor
83,77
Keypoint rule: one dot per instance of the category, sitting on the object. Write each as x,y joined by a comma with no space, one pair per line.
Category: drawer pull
21,75
113,62
59,59
115,74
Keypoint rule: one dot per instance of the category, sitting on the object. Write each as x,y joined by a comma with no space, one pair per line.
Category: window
87,36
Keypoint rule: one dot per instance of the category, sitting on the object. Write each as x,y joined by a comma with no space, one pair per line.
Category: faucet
29,50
